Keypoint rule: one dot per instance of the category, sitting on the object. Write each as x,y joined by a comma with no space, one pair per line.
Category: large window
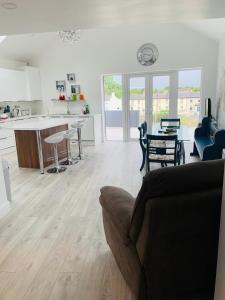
113,107
161,96
189,99
150,97
136,104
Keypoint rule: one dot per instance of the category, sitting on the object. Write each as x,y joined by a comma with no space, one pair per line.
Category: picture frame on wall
75,89
71,77
61,85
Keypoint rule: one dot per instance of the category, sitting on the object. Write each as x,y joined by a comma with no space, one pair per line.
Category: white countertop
39,123
47,116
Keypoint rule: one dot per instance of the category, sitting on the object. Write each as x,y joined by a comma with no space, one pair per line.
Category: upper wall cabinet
20,85
12,85
33,83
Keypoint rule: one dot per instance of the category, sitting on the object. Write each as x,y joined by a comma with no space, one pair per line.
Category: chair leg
143,160
147,166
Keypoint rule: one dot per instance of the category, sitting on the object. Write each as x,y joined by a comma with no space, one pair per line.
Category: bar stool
78,125
68,136
54,140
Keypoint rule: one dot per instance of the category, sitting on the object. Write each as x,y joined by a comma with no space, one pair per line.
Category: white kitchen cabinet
33,83
12,85
20,85
7,140
92,130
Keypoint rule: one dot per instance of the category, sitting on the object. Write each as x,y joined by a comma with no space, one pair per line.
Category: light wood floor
52,244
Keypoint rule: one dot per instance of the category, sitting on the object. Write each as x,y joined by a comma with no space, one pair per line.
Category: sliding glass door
136,105
112,85
160,98
130,99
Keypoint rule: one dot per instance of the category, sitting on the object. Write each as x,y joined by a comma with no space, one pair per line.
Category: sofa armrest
118,205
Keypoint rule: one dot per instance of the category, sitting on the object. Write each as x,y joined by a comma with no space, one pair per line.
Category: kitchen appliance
16,112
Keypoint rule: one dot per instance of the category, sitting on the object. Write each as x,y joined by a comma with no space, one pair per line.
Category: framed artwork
61,85
75,89
71,77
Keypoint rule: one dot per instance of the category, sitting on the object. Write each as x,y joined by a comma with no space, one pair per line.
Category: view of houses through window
187,104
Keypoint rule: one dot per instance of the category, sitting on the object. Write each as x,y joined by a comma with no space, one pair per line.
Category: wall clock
147,54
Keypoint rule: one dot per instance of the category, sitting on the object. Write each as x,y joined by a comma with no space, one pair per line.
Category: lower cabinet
92,129
7,140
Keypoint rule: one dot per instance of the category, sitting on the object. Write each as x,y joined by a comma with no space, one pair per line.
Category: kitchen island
32,151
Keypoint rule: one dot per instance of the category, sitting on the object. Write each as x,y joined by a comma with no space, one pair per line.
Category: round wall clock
147,54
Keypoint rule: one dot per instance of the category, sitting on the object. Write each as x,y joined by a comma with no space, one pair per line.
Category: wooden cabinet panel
27,148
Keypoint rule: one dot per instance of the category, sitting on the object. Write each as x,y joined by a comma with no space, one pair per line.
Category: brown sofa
165,241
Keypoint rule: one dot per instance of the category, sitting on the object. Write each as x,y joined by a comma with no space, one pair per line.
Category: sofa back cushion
170,181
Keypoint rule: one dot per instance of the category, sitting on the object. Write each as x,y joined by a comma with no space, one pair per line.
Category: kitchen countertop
47,116
38,123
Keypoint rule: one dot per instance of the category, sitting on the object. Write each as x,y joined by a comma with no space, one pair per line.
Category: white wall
106,51
221,82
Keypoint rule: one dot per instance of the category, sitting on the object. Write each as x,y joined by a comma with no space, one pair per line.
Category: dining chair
142,140
172,123
162,149
144,126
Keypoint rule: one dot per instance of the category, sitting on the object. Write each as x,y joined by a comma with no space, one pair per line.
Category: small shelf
65,101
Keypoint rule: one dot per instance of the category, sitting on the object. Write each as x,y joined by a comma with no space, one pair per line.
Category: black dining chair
172,123
142,140
162,149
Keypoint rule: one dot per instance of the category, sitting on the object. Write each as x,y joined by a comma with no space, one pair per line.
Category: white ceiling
213,28
52,15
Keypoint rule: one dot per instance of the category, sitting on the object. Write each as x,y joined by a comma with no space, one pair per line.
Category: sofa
209,141
165,241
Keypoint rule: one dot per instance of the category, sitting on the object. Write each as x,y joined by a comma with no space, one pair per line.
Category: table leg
183,151
40,152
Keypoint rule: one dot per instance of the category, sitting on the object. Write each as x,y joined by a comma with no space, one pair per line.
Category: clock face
147,54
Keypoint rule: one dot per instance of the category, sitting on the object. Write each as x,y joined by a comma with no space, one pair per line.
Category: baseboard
4,209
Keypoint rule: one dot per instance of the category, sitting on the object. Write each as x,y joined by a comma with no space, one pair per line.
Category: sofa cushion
174,181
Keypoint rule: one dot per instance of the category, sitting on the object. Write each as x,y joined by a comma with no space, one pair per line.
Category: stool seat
54,138
68,134
77,125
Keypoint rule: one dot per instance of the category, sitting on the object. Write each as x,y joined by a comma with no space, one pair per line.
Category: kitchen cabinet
7,141
92,130
20,85
13,85
33,83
